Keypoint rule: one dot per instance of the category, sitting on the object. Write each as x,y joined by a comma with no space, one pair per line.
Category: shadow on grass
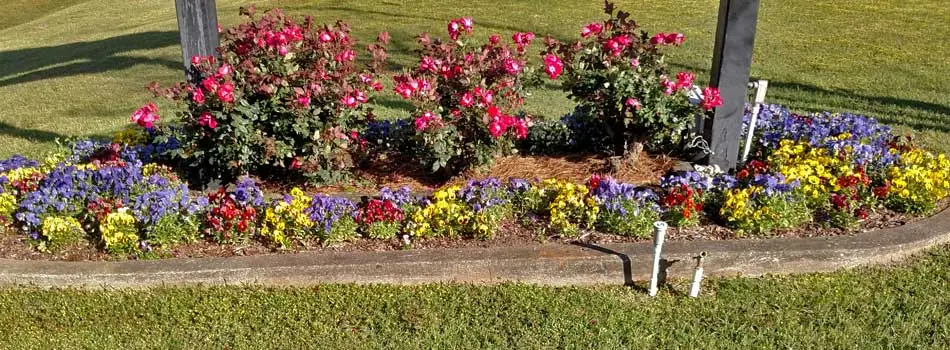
29,134
88,57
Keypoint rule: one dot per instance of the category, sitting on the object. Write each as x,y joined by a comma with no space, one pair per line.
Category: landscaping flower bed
823,173
286,99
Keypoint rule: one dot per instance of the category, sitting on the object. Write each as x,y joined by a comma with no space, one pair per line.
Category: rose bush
283,97
618,73
467,97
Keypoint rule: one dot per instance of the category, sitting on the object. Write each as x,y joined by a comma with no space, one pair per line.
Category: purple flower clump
612,195
484,194
246,192
325,210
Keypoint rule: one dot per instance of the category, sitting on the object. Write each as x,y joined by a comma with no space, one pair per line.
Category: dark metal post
198,27
732,60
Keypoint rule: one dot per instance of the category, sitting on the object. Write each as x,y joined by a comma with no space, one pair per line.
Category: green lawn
78,67
869,308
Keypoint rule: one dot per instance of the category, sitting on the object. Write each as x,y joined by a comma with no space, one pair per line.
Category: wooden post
198,27
732,60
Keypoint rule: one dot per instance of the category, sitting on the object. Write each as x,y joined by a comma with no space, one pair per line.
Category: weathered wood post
732,60
198,27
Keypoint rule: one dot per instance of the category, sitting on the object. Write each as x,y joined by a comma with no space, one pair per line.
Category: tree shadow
29,134
88,57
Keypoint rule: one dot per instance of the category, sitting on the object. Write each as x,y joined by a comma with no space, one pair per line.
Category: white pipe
659,235
697,276
761,87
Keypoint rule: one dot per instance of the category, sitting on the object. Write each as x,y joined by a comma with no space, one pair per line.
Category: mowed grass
79,67
868,308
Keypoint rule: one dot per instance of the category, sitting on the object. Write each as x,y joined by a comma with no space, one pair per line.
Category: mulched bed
400,172
15,246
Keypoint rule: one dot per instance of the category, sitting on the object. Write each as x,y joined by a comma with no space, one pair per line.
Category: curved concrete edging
546,264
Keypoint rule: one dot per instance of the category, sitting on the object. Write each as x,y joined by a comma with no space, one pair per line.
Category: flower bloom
198,96
208,120
669,87
226,93
345,56
592,29
325,37
494,39
209,84
467,100
676,39
349,101
632,102
195,60
424,120
634,62
512,66
553,66
225,70
684,80
711,98
146,116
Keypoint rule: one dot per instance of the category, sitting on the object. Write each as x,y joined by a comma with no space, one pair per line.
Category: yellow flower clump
816,169
567,205
7,206
446,216
119,232
22,174
921,179
285,220
61,230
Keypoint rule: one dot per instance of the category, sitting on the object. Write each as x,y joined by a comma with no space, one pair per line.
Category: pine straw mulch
408,172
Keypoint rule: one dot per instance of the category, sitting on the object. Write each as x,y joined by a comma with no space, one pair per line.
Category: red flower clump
227,220
684,200
377,210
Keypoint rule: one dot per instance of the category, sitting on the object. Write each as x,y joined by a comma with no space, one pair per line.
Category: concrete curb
545,264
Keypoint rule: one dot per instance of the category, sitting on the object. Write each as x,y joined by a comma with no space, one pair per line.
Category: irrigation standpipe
659,234
760,87
697,276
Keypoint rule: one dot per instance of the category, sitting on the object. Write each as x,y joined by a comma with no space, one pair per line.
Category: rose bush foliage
284,96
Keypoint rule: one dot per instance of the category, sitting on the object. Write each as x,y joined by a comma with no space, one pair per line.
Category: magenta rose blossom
226,93
711,98
553,66
146,116
208,120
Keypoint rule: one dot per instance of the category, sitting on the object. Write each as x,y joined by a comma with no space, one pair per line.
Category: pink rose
349,101
454,28
494,39
675,38
146,116
658,39
195,60
711,98
632,102
669,87
495,129
467,23
198,96
684,80
634,62
592,29
225,70
512,66
493,112
226,93
361,96
208,120
210,85
521,130
553,66
467,100
345,56
325,37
